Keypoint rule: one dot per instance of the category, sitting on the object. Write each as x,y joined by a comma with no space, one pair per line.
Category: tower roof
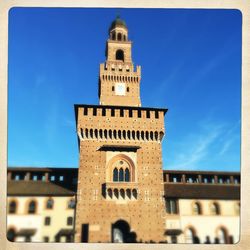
118,22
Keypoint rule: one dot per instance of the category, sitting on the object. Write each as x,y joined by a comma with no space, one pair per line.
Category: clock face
120,88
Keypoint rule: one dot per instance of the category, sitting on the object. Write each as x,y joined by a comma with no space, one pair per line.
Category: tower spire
119,82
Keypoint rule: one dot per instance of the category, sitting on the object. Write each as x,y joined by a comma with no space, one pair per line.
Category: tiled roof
38,188
202,191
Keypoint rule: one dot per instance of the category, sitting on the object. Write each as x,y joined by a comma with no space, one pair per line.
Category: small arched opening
119,55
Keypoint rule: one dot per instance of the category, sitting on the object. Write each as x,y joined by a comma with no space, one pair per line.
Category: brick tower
120,179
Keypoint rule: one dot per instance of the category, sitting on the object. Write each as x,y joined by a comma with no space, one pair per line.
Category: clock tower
120,192
119,83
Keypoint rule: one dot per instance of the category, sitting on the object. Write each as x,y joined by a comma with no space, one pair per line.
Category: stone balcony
121,190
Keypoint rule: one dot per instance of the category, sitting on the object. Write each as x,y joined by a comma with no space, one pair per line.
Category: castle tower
120,179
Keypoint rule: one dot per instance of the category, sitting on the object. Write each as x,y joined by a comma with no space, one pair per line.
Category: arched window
127,177
113,36
119,55
189,235
121,175
115,174
12,207
119,37
49,203
11,234
222,236
215,208
32,207
197,208
124,37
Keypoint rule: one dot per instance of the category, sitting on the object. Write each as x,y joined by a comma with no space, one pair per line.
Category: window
52,178
11,234
222,236
32,207
71,203
119,55
119,37
215,208
47,221
70,221
50,203
197,208
45,239
171,206
121,175
12,207
115,174
189,235
61,178
127,89
127,176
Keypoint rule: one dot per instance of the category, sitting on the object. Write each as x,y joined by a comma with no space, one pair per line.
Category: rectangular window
171,206
52,178
61,178
70,221
47,221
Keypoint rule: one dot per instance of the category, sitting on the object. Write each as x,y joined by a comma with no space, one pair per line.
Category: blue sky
191,64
